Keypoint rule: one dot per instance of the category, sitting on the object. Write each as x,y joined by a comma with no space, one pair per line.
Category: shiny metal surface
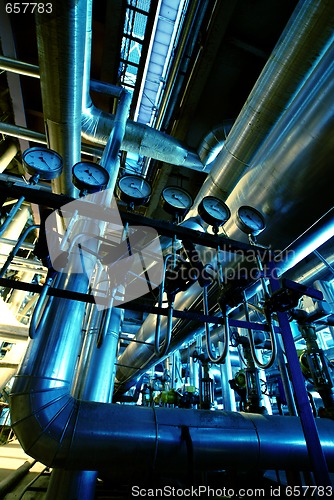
61,45
125,438
292,166
283,179
139,138
299,49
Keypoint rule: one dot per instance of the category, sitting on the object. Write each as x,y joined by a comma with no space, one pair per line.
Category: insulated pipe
279,183
8,156
208,149
11,481
300,47
61,46
139,138
57,430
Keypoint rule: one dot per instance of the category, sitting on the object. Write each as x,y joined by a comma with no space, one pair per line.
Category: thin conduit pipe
161,352
220,359
16,248
36,317
257,362
324,261
13,211
38,137
272,335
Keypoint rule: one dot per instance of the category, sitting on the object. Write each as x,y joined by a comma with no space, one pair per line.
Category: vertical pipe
61,54
228,394
285,381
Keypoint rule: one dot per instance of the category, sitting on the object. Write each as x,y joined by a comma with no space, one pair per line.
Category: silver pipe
19,67
139,138
8,155
324,261
57,430
214,141
299,49
97,126
304,130
61,47
39,138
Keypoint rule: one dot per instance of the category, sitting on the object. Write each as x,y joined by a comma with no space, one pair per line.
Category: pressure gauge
134,189
176,201
250,221
213,211
44,162
89,177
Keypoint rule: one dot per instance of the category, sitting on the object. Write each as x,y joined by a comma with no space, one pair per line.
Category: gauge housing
213,211
176,201
134,189
41,161
249,220
89,177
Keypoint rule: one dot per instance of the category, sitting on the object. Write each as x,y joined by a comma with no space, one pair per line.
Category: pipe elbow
44,420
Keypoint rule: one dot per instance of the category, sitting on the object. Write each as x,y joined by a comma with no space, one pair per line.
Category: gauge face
42,161
89,177
134,189
250,220
176,200
213,211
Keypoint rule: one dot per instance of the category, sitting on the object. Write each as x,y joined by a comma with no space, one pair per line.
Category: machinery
177,329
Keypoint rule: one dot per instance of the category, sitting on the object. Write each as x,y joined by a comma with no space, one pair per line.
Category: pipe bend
43,419
63,432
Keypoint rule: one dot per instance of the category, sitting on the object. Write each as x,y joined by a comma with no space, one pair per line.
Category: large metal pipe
282,181
139,138
298,50
61,46
57,430
139,356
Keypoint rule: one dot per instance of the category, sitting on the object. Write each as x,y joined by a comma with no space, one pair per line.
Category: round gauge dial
89,177
213,211
176,201
134,189
43,162
249,220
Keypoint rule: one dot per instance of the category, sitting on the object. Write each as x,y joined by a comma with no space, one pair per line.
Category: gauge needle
135,187
178,199
216,209
41,158
91,175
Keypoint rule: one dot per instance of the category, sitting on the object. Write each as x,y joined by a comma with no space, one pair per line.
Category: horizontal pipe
97,126
39,138
19,67
57,430
9,482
